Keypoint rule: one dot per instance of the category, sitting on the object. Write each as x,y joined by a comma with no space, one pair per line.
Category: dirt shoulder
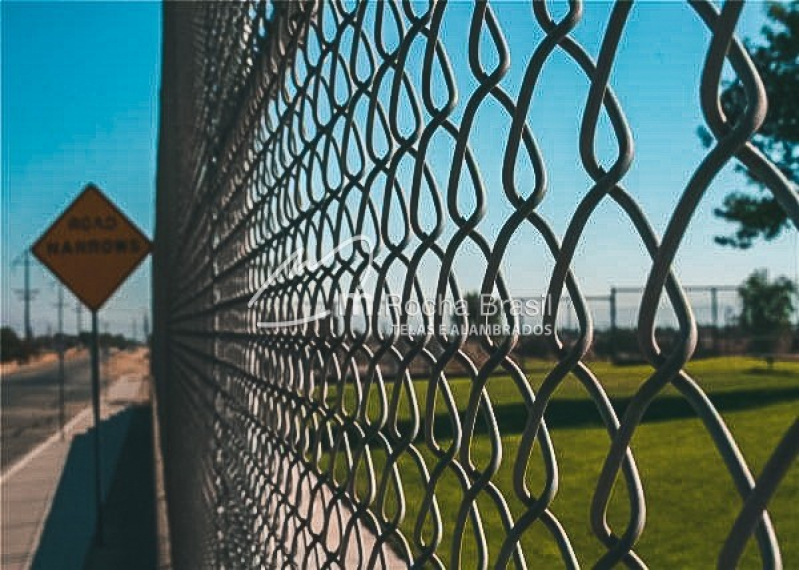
40,360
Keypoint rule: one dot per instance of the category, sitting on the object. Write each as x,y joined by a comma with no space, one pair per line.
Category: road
30,410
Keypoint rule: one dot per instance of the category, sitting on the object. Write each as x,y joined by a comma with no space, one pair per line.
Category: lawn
690,499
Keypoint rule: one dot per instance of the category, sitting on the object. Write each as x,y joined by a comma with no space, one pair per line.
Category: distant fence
302,189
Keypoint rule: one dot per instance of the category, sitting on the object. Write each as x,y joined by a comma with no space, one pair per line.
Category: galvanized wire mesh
293,130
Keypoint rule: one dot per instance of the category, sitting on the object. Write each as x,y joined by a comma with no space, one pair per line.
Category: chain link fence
322,178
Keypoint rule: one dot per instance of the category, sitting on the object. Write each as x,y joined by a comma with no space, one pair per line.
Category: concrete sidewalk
29,487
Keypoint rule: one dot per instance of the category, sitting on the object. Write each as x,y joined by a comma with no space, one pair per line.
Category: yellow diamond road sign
92,247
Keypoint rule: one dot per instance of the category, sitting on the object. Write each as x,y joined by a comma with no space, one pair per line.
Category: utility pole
60,343
145,327
78,319
105,343
26,294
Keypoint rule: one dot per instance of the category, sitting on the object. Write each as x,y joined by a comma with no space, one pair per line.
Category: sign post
92,248
98,483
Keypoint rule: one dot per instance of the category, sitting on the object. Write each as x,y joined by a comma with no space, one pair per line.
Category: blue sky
80,86
79,103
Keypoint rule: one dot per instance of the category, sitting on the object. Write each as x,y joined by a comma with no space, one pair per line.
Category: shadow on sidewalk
67,539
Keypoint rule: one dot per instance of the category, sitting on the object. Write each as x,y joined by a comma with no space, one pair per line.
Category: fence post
612,300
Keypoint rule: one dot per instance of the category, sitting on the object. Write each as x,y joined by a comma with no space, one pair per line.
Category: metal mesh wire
291,130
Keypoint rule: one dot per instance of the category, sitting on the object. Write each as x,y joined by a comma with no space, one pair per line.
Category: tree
767,309
760,215
11,346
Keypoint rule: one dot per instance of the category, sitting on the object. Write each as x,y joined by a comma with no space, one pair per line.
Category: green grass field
690,499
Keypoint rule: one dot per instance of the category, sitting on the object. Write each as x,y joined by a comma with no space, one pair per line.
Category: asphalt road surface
30,404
